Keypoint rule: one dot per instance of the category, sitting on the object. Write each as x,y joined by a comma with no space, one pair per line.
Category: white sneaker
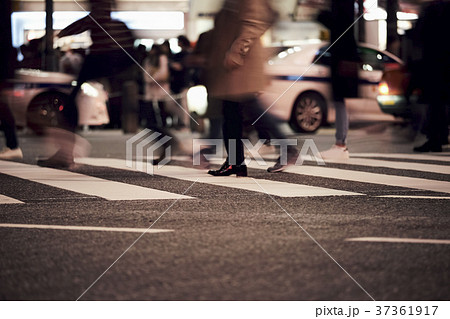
11,154
336,153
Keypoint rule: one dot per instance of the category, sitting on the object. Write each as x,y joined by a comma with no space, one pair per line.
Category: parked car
398,98
392,92
37,99
300,86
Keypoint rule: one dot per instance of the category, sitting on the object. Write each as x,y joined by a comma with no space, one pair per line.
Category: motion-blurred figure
156,89
7,59
109,56
198,61
32,54
344,69
180,80
435,72
236,76
71,61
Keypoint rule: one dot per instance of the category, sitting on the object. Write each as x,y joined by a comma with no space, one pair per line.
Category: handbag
92,104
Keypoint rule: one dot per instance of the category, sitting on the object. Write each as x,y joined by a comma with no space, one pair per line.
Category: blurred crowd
159,73
152,82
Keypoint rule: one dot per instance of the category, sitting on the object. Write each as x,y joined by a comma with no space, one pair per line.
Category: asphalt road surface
375,227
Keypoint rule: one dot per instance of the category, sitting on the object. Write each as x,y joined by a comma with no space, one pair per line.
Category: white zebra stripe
84,184
275,188
8,200
87,228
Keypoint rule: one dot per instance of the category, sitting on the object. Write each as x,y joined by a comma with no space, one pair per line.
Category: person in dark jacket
435,72
110,54
236,77
7,59
344,69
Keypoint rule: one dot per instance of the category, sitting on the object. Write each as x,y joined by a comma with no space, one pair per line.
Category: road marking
364,177
275,188
423,157
84,184
87,228
401,240
429,168
414,197
8,200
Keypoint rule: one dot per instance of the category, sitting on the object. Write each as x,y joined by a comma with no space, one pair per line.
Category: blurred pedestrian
32,54
8,126
179,72
236,76
157,87
8,57
344,70
109,56
180,80
198,61
71,61
435,72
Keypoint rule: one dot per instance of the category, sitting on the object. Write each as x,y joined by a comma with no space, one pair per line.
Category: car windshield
323,56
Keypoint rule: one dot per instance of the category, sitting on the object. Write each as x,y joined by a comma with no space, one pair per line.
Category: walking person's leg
8,126
341,123
232,137
437,133
339,149
93,67
270,125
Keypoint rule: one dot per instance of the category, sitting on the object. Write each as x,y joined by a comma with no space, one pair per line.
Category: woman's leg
232,132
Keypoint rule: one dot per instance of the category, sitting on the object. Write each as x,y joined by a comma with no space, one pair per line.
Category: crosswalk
256,185
84,184
383,170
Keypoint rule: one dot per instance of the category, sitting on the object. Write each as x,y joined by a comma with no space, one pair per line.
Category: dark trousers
247,112
437,126
155,121
232,132
8,126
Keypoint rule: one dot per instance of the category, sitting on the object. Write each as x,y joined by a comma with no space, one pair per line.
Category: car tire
45,110
308,113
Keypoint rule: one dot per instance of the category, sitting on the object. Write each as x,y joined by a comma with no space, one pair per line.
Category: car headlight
383,88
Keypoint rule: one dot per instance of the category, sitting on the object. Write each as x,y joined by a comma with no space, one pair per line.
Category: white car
37,98
300,87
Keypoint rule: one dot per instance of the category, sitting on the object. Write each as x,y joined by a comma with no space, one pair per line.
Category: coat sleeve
255,18
77,27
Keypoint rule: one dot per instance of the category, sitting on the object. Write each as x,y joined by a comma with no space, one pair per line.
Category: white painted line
8,200
191,174
84,184
414,197
423,157
429,168
401,240
275,188
87,228
364,177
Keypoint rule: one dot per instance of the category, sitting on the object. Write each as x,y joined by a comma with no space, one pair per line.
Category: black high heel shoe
227,170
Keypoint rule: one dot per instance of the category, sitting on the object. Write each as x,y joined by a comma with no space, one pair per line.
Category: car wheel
309,112
45,110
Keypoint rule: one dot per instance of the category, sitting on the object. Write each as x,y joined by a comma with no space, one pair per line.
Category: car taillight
383,88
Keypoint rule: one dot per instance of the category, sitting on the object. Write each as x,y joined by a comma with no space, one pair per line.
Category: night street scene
225,158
